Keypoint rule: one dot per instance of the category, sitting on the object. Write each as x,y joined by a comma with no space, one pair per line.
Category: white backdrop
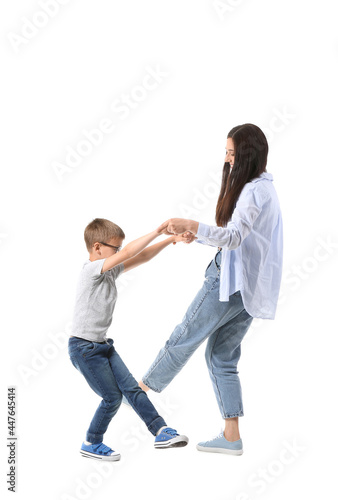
120,109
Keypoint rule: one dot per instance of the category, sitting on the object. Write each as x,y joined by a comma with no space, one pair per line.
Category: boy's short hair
101,230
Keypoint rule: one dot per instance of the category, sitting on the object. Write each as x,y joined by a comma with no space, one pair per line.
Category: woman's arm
179,226
248,208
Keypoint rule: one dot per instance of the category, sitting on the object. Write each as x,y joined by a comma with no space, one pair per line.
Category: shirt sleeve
117,270
204,243
93,269
248,208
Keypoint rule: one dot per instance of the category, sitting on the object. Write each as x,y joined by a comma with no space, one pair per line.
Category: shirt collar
264,175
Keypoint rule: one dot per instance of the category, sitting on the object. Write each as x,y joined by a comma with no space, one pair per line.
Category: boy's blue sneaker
169,438
99,452
221,445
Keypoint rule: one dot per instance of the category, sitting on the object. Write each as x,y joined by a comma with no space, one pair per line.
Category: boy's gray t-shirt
95,301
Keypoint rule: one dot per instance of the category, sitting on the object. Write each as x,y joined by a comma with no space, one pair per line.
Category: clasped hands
184,228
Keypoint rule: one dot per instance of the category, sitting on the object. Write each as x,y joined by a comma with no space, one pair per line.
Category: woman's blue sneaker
169,438
221,445
99,452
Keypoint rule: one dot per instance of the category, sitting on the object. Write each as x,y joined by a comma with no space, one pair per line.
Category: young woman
241,283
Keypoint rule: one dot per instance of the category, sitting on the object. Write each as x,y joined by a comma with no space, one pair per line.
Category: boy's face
103,251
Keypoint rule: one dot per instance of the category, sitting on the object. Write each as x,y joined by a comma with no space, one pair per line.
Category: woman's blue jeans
224,324
109,377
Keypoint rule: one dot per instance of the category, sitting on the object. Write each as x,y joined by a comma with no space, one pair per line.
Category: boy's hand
189,237
186,237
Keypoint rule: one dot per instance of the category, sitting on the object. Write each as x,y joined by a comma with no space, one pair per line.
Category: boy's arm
150,252
131,250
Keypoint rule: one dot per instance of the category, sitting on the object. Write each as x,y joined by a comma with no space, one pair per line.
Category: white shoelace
215,437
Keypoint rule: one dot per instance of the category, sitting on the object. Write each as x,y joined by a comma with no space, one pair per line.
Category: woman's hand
178,226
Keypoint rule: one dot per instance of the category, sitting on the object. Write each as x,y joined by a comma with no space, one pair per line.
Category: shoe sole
107,458
219,450
177,442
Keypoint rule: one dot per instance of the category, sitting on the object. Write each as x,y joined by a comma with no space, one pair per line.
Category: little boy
92,353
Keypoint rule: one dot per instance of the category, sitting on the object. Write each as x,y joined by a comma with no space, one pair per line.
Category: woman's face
230,152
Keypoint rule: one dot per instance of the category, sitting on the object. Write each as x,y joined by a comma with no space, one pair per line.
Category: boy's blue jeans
224,324
109,377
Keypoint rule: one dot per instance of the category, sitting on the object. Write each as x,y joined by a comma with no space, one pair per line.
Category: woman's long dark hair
251,152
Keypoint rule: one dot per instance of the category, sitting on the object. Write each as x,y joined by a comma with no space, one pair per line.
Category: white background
225,63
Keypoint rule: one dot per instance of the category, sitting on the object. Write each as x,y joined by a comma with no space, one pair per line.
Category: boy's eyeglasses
111,246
